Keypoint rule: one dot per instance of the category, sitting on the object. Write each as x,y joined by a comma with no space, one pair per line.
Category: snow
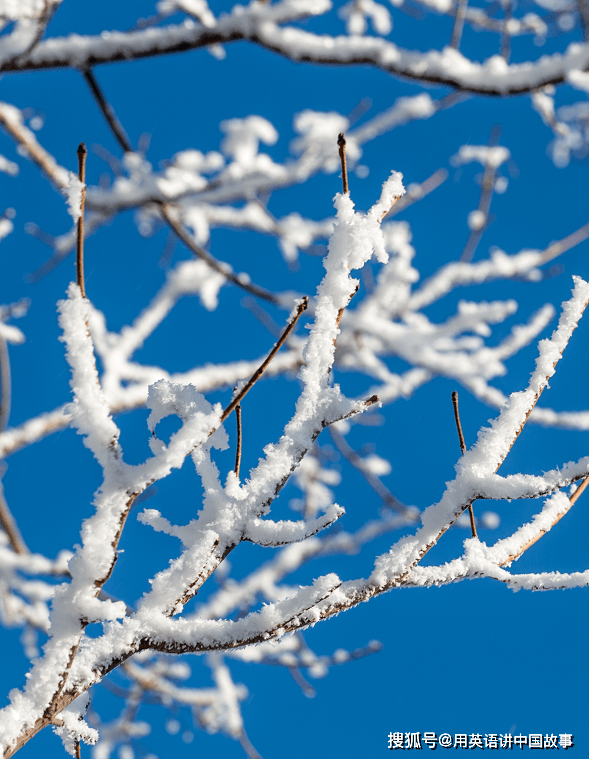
73,195
476,220
486,155
8,167
222,188
476,469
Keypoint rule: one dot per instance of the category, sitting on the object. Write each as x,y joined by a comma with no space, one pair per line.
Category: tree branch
88,51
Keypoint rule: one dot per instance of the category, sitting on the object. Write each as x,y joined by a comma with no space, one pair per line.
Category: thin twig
77,749
305,686
463,451
61,248
556,248
5,384
359,110
82,153
107,111
262,316
9,526
393,204
119,133
248,746
340,313
238,450
236,279
584,17
25,137
341,141
487,187
301,308
417,192
505,35
458,425
389,499
458,23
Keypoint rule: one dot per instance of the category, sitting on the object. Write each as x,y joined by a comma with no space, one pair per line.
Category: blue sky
468,658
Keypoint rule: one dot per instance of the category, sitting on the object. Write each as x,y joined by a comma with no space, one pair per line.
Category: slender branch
5,384
77,749
25,137
82,153
305,686
463,451
7,521
459,17
8,524
166,210
505,34
240,280
584,17
341,141
389,499
458,425
248,746
555,249
340,313
487,187
238,450
107,111
537,396
261,315
417,192
301,308
62,250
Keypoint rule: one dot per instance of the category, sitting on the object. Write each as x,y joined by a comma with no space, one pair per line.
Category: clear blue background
473,657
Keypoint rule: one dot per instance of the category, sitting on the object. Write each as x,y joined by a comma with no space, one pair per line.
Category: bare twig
77,749
359,110
62,249
302,307
237,279
393,204
248,746
389,499
556,248
458,425
487,187
341,141
417,192
82,153
584,17
505,34
463,450
305,686
9,526
340,313
262,316
107,111
238,448
459,17
5,384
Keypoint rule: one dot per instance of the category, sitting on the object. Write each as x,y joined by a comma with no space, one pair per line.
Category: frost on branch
394,310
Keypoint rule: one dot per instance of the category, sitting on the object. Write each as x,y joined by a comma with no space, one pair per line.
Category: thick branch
433,66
